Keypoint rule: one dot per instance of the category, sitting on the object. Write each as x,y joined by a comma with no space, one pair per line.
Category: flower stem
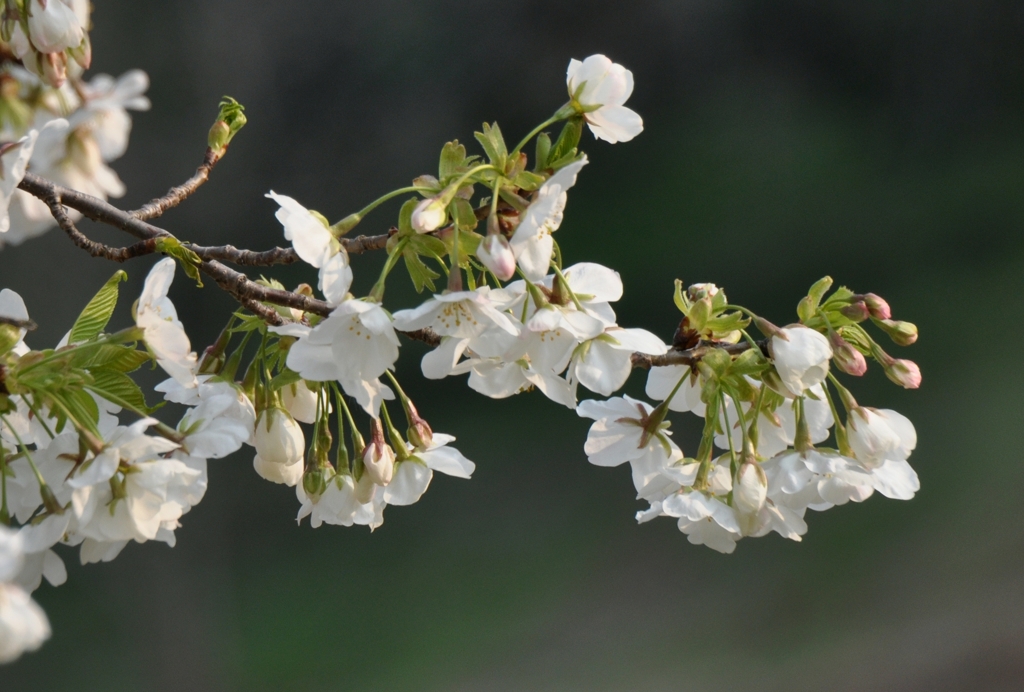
537,130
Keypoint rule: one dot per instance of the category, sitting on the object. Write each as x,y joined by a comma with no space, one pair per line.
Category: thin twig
28,325
689,356
177,195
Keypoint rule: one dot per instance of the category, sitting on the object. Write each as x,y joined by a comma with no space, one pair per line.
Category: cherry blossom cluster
306,378
768,410
66,128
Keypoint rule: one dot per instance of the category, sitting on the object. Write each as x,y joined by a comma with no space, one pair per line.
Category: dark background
879,142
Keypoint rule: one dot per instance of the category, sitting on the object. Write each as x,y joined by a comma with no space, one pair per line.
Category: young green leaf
96,315
118,388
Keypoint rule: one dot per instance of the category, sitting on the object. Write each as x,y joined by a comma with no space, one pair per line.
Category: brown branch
60,215
28,325
691,355
177,195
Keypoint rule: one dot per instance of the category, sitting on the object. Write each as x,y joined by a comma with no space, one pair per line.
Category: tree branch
691,355
177,195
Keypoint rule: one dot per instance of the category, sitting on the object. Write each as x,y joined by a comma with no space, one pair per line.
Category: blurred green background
879,142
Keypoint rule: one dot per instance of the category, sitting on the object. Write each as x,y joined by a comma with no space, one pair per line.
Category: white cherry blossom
602,87
278,439
163,332
412,476
495,253
603,364
316,245
355,345
618,435
23,624
662,380
801,357
880,435
532,243
705,520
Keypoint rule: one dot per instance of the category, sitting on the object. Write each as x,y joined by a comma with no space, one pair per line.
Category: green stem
537,130
377,292
575,300
391,195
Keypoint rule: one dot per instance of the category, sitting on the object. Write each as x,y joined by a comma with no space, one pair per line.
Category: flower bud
300,402
378,457
496,254
278,439
856,312
698,291
429,215
905,373
53,68
846,357
901,333
53,26
750,489
379,463
877,305
314,483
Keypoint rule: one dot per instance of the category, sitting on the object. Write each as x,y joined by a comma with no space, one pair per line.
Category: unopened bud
419,433
856,312
698,291
905,373
901,333
379,457
346,224
314,482
82,54
846,357
429,215
769,329
496,254
53,68
219,135
877,305
750,488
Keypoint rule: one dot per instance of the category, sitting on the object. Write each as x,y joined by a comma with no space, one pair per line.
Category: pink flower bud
846,357
877,305
858,312
429,215
496,254
905,373
378,457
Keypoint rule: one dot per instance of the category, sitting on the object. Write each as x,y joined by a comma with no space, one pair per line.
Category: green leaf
285,378
427,245
462,212
680,298
565,147
118,388
494,144
9,337
78,405
543,152
422,276
118,358
453,157
528,181
189,260
96,315
405,228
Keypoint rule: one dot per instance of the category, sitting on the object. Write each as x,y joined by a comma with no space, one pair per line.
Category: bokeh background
879,142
